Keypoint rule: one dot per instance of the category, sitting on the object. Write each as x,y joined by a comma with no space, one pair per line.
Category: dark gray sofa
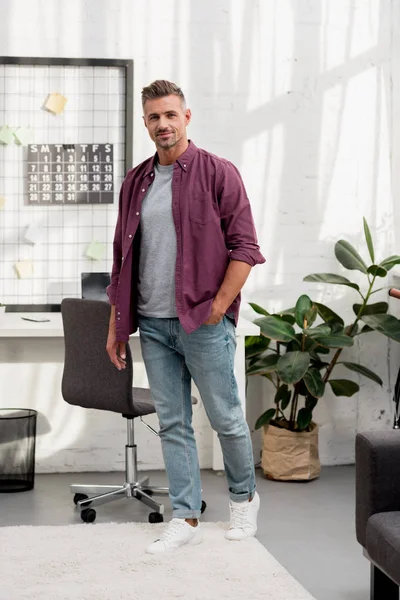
378,508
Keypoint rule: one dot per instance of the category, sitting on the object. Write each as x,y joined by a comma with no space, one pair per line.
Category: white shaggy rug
108,562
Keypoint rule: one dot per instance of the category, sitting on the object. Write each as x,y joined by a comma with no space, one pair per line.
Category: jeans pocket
214,324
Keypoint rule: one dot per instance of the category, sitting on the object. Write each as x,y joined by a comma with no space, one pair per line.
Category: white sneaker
178,533
243,519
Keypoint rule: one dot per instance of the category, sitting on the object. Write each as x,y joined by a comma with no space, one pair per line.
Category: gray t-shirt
156,286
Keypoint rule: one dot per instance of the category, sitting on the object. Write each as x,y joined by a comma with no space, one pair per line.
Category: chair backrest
89,378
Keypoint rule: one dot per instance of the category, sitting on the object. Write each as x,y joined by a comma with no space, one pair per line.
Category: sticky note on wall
55,103
96,250
23,136
6,135
33,234
24,269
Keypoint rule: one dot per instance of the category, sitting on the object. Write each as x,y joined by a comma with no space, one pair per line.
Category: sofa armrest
377,476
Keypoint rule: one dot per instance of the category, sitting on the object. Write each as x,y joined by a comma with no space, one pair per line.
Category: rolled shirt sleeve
236,217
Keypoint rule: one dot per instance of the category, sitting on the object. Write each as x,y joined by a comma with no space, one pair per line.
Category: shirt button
119,318
130,235
184,166
122,258
151,174
143,190
137,214
119,313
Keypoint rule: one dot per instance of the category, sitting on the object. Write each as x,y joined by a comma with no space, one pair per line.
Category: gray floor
308,527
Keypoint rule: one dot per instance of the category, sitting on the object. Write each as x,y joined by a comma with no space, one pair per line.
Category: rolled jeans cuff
186,514
246,496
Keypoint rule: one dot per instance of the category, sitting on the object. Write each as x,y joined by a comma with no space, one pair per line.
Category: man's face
166,120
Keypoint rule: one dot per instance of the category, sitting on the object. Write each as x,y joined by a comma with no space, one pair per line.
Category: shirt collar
183,161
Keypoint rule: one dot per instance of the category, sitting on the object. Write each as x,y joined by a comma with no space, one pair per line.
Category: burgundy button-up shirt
213,224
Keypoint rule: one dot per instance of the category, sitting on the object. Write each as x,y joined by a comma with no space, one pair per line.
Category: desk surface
13,326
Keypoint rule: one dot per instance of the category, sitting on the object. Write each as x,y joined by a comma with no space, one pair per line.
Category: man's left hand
217,314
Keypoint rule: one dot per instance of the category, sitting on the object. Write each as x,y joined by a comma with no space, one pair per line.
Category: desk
14,329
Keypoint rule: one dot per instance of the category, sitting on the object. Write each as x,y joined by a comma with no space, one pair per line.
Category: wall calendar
70,174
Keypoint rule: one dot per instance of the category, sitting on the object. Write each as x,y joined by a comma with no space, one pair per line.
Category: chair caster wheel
88,515
203,506
79,497
155,517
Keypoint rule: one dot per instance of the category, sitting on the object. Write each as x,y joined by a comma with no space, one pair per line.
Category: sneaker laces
238,514
174,526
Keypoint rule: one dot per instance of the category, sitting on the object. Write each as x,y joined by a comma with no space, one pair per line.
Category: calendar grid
70,174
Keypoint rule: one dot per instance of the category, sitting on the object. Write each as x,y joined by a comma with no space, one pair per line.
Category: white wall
302,96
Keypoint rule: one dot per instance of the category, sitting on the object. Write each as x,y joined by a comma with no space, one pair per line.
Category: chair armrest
377,476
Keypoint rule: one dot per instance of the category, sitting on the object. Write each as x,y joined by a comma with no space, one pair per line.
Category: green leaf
276,329
311,402
386,324
335,341
379,308
368,238
318,331
314,383
283,396
268,376
311,316
337,327
321,350
331,278
265,418
292,366
363,370
266,365
327,314
303,305
377,271
309,345
390,262
286,317
251,361
259,309
304,418
301,388
255,345
349,257
344,387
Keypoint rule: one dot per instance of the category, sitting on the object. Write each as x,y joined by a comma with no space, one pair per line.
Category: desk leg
240,373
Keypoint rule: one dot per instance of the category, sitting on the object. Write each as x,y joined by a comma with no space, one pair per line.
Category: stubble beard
167,144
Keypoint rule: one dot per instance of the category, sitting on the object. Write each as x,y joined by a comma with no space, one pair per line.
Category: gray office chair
92,381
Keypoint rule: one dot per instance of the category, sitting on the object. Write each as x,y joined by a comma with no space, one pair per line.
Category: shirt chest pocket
201,207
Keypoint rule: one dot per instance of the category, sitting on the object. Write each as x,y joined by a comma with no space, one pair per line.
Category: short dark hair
161,88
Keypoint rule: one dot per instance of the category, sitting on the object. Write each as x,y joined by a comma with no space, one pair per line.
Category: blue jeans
172,359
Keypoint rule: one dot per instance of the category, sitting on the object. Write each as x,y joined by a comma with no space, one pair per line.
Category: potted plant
298,350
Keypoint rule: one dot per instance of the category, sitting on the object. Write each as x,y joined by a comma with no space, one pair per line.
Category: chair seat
142,402
383,542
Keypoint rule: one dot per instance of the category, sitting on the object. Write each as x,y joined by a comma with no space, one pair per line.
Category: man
184,246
